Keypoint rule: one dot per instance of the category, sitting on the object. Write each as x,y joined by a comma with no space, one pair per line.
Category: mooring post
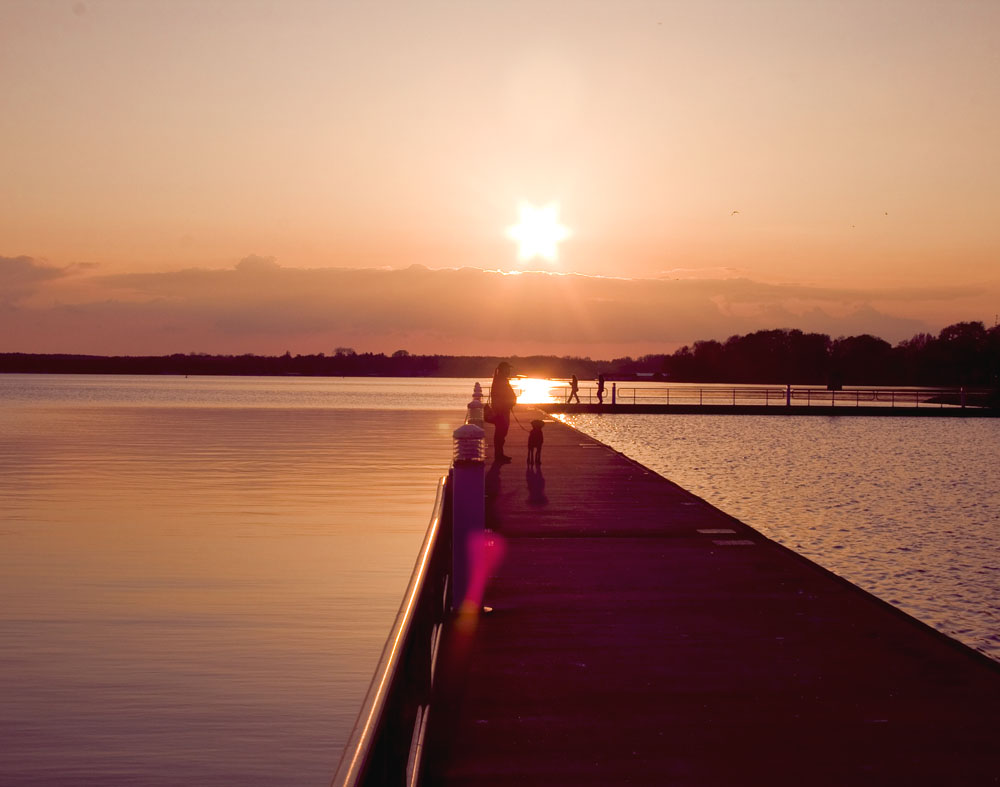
468,508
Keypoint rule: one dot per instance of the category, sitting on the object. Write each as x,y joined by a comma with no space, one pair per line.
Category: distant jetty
899,411
783,400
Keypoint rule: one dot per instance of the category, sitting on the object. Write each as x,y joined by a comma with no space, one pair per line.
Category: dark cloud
259,264
748,290
20,276
23,270
260,306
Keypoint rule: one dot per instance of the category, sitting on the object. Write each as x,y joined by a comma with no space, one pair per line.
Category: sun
538,232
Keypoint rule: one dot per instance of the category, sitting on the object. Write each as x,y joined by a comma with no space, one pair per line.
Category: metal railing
780,396
387,741
771,395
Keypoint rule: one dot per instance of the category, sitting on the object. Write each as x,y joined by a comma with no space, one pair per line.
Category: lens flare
538,232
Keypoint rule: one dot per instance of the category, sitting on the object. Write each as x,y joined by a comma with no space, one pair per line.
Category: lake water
197,575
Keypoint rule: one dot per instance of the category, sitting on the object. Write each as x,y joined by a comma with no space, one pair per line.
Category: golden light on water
533,390
538,232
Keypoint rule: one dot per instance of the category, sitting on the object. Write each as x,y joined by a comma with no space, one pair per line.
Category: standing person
574,387
600,389
502,400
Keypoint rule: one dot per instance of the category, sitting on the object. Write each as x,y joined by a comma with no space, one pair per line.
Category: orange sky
217,176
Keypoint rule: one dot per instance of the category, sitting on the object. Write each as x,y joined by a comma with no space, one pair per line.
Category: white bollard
468,507
475,411
475,415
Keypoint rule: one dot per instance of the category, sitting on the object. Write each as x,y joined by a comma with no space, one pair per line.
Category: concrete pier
640,636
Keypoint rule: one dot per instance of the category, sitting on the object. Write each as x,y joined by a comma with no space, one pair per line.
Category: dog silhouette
535,440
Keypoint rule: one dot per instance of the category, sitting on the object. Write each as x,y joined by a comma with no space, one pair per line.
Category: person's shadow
492,481
536,486
492,489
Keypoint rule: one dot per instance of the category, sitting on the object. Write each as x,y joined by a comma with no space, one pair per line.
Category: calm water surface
907,508
197,575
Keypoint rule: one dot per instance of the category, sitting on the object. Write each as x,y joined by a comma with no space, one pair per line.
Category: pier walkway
640,636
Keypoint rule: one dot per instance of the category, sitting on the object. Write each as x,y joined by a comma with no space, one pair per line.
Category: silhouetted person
574,386
600,389
502,400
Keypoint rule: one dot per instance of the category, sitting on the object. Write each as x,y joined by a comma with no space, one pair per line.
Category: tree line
965,353
344,363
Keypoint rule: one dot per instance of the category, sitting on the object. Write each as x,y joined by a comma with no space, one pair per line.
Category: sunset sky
232,176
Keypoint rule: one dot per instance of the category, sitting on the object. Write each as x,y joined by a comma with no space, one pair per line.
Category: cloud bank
260,306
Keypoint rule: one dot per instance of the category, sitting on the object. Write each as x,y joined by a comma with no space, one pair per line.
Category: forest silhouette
966,353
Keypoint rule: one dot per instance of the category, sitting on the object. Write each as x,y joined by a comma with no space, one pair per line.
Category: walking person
600,389
502,401
574,387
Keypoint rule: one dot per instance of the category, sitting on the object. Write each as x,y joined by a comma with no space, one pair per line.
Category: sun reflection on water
533,390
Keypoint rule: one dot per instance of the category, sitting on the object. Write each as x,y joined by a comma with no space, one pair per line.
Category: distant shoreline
964,354
341,365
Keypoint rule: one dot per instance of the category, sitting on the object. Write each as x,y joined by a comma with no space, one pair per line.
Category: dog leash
518,422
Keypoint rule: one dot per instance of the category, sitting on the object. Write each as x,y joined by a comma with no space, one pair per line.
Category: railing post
963,397
614,392
468,508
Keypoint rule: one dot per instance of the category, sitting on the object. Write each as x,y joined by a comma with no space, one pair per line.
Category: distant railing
386,743
775,396
779,396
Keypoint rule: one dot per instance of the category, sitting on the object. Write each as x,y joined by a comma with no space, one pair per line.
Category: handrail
808,395
396,696
769,395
